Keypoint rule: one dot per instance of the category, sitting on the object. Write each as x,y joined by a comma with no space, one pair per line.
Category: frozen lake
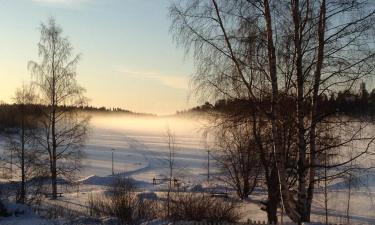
140,147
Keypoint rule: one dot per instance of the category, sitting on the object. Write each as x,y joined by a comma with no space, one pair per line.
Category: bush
122,200
198,207
98,205
123,203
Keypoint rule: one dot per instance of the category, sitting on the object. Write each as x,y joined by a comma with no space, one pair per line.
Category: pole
325,188
11,163
208,166
113,172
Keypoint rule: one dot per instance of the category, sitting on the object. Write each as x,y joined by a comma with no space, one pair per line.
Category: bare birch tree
64,130
266,51
22,145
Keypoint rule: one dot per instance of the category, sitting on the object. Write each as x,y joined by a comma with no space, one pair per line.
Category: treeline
343,103
9,113
111,110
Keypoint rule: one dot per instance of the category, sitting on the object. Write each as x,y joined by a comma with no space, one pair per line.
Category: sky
129,59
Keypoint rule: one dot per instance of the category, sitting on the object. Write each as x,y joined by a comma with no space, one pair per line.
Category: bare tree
351,181
171,140
238,157
24,150
21,150
64,130
266,51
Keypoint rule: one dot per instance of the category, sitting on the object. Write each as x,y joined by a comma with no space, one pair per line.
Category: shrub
123,200
198,207
123,203
98,205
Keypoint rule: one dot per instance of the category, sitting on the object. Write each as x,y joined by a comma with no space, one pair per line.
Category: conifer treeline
345,104
9,113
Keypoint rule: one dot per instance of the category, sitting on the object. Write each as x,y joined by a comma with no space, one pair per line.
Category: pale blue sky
128,57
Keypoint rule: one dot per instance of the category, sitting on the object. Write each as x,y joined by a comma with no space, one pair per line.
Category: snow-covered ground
140,151
140,148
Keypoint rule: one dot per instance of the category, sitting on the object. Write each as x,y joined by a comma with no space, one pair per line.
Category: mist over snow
140,147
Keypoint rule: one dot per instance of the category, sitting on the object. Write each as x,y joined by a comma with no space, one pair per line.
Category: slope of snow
108,180
361,181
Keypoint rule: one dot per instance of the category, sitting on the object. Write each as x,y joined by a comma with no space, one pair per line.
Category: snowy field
140,150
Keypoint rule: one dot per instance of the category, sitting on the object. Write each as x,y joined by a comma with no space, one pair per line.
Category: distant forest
10,113
360,104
